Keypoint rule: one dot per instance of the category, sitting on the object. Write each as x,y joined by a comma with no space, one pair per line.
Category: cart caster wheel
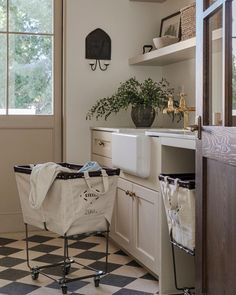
64,289
96,282
188,292
34,274
66,269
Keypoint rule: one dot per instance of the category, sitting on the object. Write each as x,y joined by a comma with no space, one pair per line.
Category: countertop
169,137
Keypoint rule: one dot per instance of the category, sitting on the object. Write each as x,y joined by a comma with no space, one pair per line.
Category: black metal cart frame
66,263
185,290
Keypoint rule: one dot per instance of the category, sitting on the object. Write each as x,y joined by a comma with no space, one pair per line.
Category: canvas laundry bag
179,205
75,203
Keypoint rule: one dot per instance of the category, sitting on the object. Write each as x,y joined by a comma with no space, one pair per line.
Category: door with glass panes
30,94
216,148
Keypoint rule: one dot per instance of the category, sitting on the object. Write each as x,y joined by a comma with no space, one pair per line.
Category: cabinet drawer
101,143
103,161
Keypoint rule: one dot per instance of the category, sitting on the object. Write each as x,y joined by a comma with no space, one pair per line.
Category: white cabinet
135,222
101,147
121,227
145,226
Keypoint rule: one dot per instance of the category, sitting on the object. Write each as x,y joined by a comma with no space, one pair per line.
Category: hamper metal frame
66,263
186,290
190,184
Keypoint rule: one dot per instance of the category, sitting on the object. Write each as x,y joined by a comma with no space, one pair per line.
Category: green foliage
132,92
30,56
3,15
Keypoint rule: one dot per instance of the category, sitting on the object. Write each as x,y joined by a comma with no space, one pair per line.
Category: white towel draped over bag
70,205
41,179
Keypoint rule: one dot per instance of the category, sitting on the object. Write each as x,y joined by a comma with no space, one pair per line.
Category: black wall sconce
97,48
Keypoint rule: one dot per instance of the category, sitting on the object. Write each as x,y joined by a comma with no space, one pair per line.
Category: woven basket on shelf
188,22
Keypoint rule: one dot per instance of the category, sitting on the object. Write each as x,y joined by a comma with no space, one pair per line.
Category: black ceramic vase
143,116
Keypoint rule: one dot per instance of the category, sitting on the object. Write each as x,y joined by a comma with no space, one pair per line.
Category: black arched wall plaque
98,45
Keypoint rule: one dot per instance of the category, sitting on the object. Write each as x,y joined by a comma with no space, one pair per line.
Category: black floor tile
10,261
57,271
131,292
100,265
116,280
44,248
73,286
91,255
78,237
49,258
83,245
5,241
120,252
39,239
8,250
148,276
16,288
133,263
13,274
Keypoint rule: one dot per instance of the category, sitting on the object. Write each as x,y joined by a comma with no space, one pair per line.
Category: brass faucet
170,108
182,108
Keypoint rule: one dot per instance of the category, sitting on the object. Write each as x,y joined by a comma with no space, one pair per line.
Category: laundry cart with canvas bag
178,192
63,200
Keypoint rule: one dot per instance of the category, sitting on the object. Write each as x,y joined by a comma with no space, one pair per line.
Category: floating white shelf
174,53
167,55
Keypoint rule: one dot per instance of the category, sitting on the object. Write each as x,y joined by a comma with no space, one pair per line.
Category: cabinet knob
101,143
132,194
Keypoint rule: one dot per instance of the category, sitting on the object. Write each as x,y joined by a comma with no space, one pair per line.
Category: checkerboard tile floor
125,276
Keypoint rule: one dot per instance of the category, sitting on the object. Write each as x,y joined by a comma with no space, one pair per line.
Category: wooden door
216,148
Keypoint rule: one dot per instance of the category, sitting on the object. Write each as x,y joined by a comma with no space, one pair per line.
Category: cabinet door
146,231
121,227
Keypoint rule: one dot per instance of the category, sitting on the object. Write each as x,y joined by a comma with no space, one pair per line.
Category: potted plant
145,98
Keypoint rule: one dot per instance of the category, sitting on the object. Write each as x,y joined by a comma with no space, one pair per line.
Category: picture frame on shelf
170,25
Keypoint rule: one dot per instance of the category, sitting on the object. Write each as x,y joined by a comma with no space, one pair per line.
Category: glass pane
234,58
31,76
3,73
3,15
214,71
31,16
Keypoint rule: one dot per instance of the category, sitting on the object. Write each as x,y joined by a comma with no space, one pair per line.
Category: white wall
183,73
130,26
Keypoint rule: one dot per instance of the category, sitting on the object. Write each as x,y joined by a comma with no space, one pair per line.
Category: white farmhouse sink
131,153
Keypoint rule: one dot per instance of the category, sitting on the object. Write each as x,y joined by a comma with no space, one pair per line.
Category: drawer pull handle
131,194
101,143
